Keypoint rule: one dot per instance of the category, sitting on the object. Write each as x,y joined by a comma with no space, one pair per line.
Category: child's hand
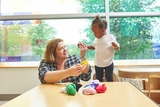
82,45
83,48
115,46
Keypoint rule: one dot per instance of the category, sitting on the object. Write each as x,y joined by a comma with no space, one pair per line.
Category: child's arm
90,47
81,44
115,45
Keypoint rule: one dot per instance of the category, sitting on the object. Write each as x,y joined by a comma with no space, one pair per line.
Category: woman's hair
102,23
49,54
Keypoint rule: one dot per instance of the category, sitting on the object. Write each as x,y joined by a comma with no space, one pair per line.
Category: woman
58,66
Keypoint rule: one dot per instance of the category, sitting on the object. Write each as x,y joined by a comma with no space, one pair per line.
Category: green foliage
129,5
18,35
14,37
73,49
134,37
134,48
2,39
90,37
92,6
39,35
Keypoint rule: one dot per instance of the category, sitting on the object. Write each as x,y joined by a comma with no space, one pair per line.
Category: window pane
139,37
30,7
134,5
25,40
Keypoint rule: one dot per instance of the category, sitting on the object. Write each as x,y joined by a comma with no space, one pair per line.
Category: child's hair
102,23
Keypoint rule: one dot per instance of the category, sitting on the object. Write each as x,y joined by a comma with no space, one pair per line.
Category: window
139,37
26,29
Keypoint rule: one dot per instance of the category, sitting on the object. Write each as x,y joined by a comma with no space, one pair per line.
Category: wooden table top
118,94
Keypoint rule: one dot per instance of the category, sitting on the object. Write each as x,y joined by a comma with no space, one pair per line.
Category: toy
101,88
85,63
94,87
70,89
95,83
88,90
78,86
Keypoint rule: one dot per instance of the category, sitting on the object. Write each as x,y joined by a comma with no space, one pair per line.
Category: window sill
19,64
117,63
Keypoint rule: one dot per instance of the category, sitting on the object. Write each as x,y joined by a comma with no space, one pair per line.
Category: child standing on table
104,45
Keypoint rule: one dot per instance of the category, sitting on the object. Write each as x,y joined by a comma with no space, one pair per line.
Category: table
118,94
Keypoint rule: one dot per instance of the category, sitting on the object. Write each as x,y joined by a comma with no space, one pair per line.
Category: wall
18,80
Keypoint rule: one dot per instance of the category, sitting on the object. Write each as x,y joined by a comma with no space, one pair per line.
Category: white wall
17,80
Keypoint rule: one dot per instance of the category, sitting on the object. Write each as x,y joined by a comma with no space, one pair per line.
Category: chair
150,82
104,79
154,86
136,78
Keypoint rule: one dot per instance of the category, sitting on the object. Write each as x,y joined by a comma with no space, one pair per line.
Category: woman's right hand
76,70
